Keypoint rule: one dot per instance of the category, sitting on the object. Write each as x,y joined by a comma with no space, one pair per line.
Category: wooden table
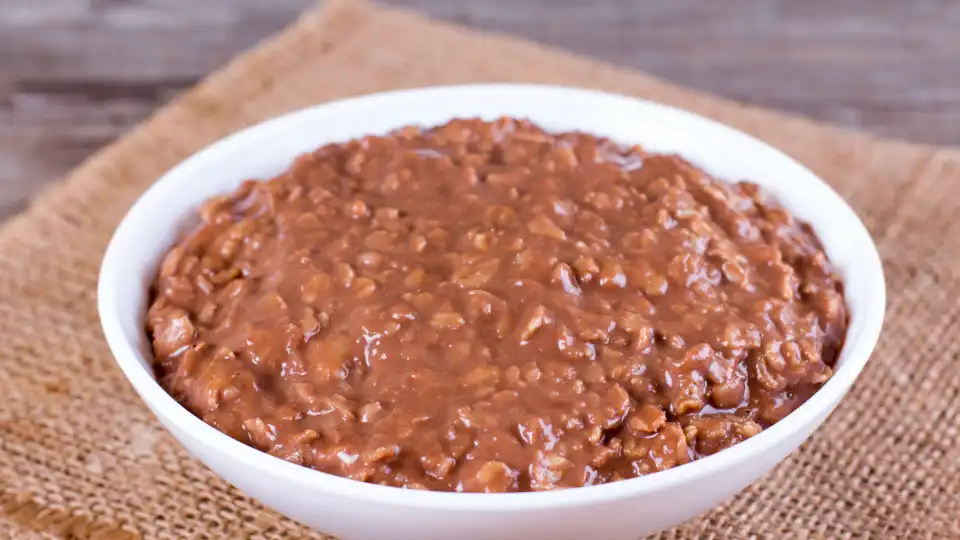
75,74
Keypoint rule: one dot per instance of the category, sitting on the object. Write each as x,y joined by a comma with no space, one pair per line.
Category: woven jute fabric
81,457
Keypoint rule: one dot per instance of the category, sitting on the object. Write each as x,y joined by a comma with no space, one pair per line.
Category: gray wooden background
75,74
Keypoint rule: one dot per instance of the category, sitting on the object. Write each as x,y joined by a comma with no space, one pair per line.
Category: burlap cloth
81,457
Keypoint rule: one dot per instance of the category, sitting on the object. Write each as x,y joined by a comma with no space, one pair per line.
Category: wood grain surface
75,74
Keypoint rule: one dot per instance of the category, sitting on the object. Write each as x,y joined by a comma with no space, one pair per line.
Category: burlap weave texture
81,457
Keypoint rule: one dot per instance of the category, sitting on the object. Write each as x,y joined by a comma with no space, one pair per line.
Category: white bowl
355,510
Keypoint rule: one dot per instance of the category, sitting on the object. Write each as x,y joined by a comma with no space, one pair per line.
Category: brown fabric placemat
81,457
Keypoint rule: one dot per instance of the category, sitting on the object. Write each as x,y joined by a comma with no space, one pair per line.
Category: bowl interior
167,209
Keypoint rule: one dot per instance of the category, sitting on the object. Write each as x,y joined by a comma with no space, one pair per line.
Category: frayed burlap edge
27,513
